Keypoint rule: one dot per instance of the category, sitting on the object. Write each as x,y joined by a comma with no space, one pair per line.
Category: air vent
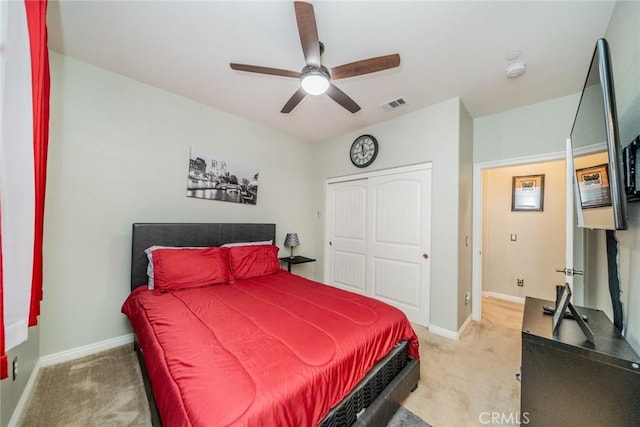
393,104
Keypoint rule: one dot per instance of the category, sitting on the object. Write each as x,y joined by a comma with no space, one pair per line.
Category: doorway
525,254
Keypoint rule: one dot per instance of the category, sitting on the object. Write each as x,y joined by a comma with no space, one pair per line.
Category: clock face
363,151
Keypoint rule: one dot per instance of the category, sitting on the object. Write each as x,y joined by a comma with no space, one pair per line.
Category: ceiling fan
315,78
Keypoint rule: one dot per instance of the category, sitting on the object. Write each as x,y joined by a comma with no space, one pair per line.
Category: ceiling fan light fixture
315,81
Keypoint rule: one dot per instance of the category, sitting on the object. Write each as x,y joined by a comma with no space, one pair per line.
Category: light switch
514,237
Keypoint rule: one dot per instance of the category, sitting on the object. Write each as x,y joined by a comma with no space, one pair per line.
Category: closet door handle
425,256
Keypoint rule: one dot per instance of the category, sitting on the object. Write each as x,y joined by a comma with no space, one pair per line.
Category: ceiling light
514,70
315,81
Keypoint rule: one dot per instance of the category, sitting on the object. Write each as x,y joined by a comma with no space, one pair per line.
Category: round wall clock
363,151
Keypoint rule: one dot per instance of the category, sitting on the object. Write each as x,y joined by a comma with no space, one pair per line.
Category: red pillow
182,268
252,261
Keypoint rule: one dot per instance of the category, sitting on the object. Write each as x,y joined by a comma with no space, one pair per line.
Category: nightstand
295,260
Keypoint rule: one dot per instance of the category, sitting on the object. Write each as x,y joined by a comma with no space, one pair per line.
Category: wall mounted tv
597,156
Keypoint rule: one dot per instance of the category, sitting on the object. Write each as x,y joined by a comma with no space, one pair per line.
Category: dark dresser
568,381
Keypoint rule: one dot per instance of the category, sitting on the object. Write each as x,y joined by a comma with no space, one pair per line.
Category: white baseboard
466,323
17,412
511,298
85,350
452,335
63,356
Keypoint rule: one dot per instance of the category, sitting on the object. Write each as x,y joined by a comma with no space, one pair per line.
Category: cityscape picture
225,180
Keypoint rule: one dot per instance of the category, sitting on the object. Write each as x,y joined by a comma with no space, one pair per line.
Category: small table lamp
291,240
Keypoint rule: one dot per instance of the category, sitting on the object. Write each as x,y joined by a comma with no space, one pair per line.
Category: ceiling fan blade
343,99
265,70
365,66
293,101
308,31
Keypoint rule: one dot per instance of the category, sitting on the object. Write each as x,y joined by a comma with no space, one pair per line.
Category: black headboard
189,234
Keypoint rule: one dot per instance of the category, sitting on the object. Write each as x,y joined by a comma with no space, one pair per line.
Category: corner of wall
11,391
465,199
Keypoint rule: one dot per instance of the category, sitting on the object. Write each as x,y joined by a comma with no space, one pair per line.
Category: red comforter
267,351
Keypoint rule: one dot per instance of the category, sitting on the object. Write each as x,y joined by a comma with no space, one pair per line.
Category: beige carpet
460,380
465,382
104,389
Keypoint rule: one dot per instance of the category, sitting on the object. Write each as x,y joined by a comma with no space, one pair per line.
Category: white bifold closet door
379,237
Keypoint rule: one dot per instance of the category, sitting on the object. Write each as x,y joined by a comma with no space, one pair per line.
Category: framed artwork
527,193
593,186
215,178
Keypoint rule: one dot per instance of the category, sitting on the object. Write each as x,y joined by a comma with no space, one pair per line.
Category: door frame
476,254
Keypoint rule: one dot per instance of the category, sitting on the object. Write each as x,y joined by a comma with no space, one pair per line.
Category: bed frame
371,403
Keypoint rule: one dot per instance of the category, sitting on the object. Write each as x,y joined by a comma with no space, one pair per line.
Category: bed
258,345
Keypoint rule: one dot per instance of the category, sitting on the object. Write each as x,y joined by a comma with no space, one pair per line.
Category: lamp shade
291,239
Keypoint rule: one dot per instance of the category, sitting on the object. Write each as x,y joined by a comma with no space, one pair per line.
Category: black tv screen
597,156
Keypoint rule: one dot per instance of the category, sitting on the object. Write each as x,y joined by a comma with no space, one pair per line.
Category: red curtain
37,24
36,14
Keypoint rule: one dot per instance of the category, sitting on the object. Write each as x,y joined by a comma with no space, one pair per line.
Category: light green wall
10,390
428,135
527,131
118,154
465,213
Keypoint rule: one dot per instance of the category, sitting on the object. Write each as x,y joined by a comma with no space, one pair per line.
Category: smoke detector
514,70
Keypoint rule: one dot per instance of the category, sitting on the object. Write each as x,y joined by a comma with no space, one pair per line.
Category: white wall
428,135
118,154
527,131
624,41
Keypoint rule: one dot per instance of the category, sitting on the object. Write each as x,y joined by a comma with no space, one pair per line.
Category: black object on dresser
569,381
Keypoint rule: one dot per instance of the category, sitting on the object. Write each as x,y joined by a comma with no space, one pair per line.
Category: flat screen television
597,156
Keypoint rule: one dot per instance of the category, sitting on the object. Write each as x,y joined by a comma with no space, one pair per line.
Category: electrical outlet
520,282
14,368
467,298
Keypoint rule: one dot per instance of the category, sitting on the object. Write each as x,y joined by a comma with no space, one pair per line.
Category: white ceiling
447,49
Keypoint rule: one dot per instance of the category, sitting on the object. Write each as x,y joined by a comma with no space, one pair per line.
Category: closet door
398,244
346,231
379,238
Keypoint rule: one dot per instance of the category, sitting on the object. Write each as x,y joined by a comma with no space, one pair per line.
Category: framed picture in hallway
527,193
593,186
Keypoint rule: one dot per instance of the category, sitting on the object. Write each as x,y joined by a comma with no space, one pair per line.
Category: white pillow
264,242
